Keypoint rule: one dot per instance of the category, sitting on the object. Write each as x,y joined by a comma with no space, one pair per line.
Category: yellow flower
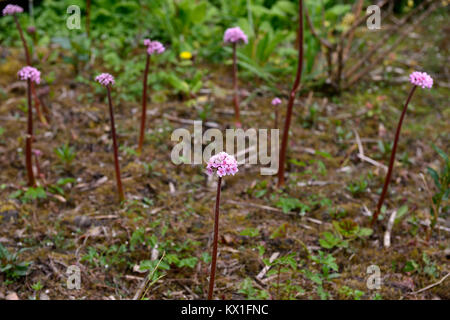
185,55
348,19
326,23
410,3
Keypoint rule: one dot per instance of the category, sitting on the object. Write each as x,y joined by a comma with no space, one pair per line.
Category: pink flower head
421,79
234,35
37,152
154,47
223,164
30,73
12,9
276,101
105,79
31,29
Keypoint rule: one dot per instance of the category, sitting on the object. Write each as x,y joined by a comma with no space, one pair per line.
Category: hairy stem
29,139
235,87
116,156
392,160
144,106
290,105
28,60
25,47
212,274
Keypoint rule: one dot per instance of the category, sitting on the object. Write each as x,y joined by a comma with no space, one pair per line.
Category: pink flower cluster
234,35
31,29
30,73
154,47
223,164
105,79
421,79
12,9
276,101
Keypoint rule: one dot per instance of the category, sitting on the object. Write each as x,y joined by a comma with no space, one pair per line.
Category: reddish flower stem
391,161
235,87
212,274
37,106
144,106
29,139
116,156
25,47
290,105
28,60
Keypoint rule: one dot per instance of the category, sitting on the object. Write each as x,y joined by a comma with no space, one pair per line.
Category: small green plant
205,111
377,296
291,204
106,257
351,293
37,287
430,267
250,232
327,264
330,240
259,189
442,185
311,119
62,183
247,289
338,213
350,229
359,187
129,151
287,264
66,154
10,264
427,267
385,148
411,266
30,194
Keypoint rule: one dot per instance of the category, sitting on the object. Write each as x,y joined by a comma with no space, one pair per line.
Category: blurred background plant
335,50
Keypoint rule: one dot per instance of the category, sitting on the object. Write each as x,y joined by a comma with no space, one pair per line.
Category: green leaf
177,83
198,14
250,232
435,177
411,266
328,240
401,212
324,154
64,181
441,153
365,232
188,262
16,194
